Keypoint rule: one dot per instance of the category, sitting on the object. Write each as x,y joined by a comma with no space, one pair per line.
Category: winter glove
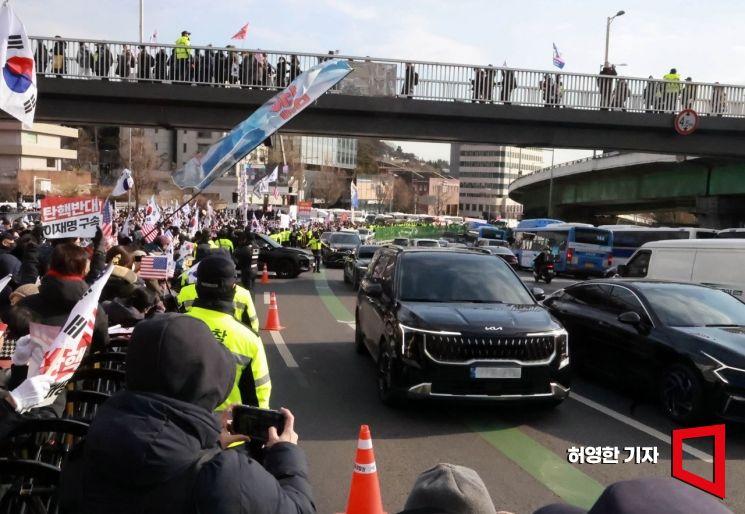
25,347
31,392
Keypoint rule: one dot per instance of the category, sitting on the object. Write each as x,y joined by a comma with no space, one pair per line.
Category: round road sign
686,122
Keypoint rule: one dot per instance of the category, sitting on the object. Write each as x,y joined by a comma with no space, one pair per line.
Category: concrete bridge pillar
720,212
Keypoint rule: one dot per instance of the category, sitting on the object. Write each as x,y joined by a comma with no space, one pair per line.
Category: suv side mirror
372,289
621,270
630,318
538,293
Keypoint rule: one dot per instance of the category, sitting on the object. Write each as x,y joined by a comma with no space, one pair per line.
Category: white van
718,263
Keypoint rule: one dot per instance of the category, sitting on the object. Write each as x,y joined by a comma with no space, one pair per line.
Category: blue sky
702,39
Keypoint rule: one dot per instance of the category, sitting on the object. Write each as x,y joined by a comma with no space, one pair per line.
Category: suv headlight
562,347
727,373
412,339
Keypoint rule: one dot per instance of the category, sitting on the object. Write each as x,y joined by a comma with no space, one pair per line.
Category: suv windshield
427,243
682,305
366,252
267,240
460,277
344,239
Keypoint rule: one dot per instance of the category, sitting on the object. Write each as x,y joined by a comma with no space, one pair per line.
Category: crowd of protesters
163,442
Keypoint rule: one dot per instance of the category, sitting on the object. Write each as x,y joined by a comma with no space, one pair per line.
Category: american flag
149,232
106,217
154,266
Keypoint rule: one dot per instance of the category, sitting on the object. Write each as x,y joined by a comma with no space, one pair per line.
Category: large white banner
70,216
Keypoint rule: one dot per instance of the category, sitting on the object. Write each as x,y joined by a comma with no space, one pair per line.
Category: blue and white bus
578,248
628,238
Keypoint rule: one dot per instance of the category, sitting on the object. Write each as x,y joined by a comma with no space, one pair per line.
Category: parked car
711,262
682,343
285,261
401,241
340,245
502,252
492,243
366,235
425,243
355,266
445,323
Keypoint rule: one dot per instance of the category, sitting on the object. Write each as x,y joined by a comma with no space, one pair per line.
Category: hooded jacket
144,440
57,297
120,313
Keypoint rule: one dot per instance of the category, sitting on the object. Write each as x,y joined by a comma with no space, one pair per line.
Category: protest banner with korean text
70,216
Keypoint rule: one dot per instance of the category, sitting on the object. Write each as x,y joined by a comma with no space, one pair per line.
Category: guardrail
272,70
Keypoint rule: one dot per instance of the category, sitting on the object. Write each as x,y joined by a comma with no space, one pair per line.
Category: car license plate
496,372
589,265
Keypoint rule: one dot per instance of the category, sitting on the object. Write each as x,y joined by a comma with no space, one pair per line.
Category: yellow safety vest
248,351
673,84
182,50
226,244
242,301
314,243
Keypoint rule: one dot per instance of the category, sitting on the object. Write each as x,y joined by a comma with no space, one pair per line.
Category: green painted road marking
566,481
329,299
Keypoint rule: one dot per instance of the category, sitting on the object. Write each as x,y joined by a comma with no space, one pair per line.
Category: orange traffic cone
364,495
265,276
272,316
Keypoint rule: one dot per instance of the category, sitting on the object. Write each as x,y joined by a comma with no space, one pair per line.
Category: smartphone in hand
255,422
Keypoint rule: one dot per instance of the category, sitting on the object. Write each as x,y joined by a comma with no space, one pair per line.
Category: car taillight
550,266
610,260
570,255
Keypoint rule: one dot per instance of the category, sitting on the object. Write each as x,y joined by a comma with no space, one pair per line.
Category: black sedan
684,343
285,261
503,253
355,266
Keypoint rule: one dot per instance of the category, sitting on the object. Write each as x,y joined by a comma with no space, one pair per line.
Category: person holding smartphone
156,446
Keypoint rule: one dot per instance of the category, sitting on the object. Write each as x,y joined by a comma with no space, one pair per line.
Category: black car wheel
346,278
286,269
548,280
356,281
359,341
388,390
681,394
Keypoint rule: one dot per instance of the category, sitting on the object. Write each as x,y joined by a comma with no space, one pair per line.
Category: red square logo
717,487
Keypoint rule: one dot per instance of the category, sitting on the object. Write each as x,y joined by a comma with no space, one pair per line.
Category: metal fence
272,70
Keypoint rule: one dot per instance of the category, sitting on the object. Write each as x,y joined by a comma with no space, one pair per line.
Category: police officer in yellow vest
216,282
672,89
224,242
244,309
182,54
315,245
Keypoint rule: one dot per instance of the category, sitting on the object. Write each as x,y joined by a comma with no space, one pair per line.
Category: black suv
285,261
340,246
451,323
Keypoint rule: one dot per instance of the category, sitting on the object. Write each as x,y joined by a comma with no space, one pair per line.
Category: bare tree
143,162
383,193
329,185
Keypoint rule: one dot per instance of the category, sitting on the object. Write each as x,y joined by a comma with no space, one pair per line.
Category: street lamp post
607,34
551,187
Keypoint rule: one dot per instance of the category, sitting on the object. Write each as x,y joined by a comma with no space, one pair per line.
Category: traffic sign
686,122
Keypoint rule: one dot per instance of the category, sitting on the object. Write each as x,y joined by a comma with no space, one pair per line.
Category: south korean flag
18,81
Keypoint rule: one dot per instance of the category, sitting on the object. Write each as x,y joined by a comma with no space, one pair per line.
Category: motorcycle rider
541,260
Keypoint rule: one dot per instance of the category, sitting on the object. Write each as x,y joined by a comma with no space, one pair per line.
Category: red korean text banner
70,216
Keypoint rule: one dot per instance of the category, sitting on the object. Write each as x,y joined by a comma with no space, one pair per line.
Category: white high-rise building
485,173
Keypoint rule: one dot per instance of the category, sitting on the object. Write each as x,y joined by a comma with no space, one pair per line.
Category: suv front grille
459,349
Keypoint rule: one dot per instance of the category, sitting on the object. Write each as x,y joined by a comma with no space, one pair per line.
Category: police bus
577,248
628,238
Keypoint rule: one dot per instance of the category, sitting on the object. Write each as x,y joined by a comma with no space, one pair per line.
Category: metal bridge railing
272,70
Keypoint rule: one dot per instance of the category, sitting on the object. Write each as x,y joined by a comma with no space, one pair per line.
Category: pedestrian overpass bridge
621,183
125,83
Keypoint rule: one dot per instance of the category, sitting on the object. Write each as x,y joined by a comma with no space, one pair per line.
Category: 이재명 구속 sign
77,216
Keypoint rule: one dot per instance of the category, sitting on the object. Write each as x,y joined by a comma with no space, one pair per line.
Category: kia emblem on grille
493,328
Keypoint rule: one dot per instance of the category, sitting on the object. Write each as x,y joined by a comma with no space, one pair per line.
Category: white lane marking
266,298
349,324
640,426
284,351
